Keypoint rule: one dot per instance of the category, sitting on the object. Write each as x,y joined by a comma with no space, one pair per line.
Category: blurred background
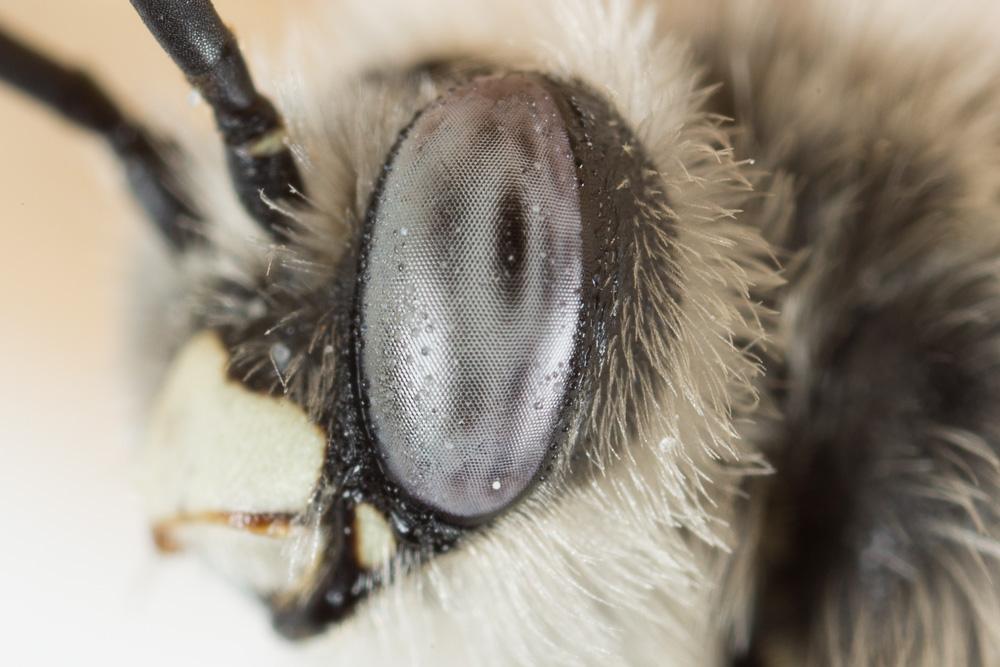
79,580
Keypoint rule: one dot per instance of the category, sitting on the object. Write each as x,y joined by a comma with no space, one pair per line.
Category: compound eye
470,299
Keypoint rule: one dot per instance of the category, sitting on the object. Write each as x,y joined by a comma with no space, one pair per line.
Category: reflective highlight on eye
470,305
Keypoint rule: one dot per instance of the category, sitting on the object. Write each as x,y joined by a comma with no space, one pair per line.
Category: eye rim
580,108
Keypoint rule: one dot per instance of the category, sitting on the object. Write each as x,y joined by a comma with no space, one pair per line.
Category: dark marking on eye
489,135
449,211
511,246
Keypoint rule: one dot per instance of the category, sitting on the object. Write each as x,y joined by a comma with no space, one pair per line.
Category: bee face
452,355
462,370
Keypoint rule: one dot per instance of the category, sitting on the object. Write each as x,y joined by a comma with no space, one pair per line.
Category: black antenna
81,101
260,163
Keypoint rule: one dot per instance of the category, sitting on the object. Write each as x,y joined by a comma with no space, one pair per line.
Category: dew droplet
400,524
280,356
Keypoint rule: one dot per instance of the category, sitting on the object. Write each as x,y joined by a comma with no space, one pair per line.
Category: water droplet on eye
538,166
424,351
400,524
510,258
536,209
280,356
496,485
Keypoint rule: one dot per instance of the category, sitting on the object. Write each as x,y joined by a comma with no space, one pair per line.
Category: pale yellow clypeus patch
223,464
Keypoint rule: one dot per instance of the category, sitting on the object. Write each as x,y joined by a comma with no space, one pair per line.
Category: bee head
493,362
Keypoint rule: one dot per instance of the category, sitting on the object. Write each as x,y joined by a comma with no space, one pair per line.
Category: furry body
819,297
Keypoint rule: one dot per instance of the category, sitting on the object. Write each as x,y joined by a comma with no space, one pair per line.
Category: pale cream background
79,583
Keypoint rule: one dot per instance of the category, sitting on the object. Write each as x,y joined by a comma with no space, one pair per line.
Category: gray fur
879,543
